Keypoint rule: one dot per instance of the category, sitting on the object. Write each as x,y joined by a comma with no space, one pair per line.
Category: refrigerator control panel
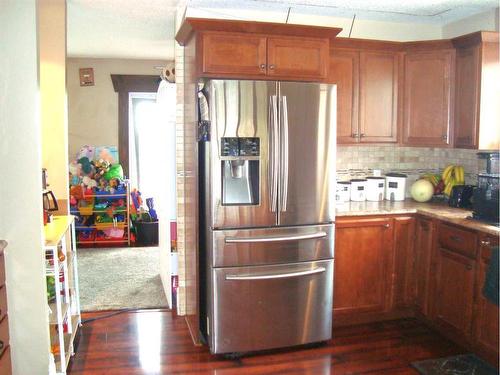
240,146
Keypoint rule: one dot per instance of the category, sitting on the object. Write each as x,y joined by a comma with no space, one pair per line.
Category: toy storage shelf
95,235
63,302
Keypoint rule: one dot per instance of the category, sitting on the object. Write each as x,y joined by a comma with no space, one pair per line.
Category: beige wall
487,21
53,108
93,110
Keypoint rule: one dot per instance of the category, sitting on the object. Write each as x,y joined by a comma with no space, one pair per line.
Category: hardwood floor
158,342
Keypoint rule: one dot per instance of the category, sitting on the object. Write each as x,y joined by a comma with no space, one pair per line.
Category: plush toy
86,165
75,173
88,183
101,167
115,171
86,152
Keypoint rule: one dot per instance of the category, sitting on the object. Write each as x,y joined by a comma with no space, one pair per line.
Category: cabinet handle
455,238
387,225
362,135
262,66
444,137
485,242
469,267
271,66
355,135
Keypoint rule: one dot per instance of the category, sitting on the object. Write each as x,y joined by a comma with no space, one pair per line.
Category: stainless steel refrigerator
267,213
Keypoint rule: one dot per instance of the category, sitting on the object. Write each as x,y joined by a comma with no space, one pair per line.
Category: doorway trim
124,84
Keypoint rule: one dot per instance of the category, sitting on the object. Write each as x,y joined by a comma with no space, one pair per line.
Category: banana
447,172
459,172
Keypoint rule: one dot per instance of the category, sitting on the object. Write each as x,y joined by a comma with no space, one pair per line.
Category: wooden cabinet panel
486,326
404,261
378,96
4,334
363,266
454,292
424,233
233,54
344,72
467,81
3,302
428,98
5,365
297,57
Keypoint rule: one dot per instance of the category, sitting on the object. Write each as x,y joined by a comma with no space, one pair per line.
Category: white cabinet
62,289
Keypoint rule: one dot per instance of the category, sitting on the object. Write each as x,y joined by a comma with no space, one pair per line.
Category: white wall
20,187
93,110
365,29
487,21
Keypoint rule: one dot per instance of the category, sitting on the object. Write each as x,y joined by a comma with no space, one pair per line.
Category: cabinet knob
271,66
469,267
386,225
455,238
355,135
262,66
485,242
362,135
444,137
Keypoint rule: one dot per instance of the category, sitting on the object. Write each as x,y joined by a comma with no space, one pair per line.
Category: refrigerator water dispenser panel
240,175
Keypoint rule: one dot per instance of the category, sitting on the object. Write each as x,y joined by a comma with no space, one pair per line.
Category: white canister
395,186
343,192
375,189
358,189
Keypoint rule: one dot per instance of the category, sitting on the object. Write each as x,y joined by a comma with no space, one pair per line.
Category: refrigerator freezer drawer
245,247
264,307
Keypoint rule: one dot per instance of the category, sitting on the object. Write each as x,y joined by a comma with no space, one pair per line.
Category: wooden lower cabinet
453,298
363,267
404,261
486,314
424,239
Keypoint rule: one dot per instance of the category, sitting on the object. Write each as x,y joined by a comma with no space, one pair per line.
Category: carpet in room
465,364
120,278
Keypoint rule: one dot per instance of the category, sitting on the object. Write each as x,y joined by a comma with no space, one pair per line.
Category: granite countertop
437,210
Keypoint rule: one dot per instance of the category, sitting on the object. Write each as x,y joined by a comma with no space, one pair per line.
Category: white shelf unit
64,310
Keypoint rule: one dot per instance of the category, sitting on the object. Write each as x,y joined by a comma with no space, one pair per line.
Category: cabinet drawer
4,334
2,268
5,364
461,241
3,302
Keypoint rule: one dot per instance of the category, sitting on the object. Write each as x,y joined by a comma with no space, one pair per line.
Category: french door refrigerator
267,181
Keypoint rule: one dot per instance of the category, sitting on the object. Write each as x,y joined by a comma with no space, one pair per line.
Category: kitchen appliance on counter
486,195
461,196
267,211
375,188
395,186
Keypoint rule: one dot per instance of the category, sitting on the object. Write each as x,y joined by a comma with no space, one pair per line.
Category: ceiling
145,28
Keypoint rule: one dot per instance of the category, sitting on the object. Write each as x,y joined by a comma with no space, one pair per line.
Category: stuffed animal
88,183
101,166
86,152
75,173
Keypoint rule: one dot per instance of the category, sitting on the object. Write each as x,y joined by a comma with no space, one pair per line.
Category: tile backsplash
360,161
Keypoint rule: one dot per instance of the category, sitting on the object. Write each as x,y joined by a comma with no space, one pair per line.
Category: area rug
466,364
120,278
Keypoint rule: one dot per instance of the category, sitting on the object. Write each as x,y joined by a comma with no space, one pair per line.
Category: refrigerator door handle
283,275
273,159
284,156
307,236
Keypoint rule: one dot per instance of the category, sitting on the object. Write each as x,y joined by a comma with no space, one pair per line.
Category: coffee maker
486,195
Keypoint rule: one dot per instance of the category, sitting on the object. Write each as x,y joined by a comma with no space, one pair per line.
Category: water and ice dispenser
240,170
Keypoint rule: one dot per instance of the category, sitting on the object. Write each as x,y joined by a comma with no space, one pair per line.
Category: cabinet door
404,261
344,72
454,292
233,54
468,67
363,266
424,233
378,96
428,98
486,313
297,58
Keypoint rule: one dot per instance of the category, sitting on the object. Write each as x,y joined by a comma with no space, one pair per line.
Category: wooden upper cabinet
378,96
477,113
344,72
297,57
428,98
363,266
233,54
